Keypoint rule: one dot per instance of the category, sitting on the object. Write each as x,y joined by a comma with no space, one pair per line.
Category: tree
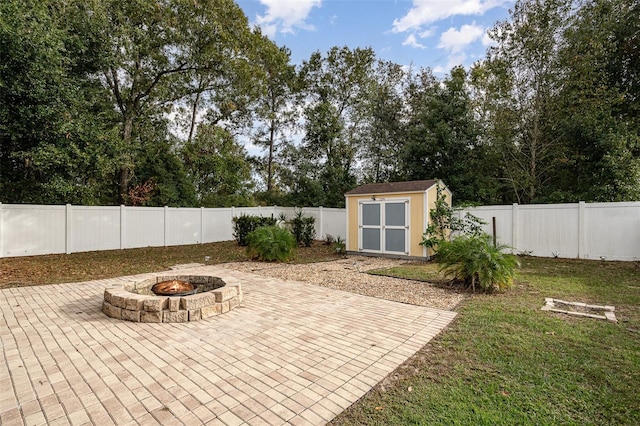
442,136
276,109
523,78
334,86
218,167
383,133
56,134
158,52
599,105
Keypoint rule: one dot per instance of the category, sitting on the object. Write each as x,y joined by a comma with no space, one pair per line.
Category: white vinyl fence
27,230
607,231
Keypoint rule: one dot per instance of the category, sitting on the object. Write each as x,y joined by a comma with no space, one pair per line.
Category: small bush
303,229
475,260
245,224
341,246
271,243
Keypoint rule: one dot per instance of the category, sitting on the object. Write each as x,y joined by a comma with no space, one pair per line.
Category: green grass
62,268
505,362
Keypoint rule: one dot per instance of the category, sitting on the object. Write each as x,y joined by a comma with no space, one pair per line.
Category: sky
438,34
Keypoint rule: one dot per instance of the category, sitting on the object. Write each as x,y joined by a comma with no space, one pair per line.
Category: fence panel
28,230
608,231
502,215
143,227
95,228
548,230
217,225
183,226
613,231
334,223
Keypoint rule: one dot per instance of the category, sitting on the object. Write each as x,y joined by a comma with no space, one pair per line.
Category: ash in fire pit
174,288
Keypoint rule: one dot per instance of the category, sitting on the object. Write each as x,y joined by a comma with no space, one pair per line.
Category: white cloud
426,12
456,59
487,41
456,41
412,41
285,16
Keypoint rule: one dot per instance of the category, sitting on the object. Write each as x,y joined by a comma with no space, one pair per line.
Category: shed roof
381,188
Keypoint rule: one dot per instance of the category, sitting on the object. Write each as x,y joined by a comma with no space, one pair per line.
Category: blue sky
438,34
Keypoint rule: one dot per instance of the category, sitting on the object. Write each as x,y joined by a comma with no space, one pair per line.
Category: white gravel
350,275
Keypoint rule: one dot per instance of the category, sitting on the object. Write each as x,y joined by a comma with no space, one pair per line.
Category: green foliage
443,223
474,260
340,245
245,224
271,244
441,139
218,167
303,229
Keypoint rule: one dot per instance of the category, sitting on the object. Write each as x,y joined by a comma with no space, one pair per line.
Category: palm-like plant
271,243
474,260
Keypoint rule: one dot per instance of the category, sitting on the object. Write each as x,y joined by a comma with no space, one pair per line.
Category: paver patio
292,353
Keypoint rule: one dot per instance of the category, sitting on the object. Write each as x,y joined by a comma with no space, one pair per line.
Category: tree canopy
181,103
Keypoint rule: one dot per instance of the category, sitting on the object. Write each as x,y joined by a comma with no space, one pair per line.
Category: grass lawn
63,268
505,362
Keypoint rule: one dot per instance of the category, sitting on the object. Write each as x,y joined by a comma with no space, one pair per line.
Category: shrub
475,260
443,223
340,245
245,224
271,243
303,229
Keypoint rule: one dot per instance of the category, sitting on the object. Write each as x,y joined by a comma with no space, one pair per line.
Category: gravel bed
350,275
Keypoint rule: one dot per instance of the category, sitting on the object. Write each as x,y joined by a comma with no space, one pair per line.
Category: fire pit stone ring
207,296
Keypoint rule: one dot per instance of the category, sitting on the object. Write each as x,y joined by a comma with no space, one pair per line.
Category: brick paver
291,353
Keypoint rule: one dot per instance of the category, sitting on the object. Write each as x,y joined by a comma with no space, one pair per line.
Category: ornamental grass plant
271,244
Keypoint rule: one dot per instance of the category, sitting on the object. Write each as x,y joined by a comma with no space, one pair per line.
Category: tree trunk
270,161
126,166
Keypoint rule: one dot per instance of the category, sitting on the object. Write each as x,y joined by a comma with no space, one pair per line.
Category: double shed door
384,226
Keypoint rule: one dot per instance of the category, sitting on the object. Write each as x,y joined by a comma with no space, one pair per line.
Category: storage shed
390,218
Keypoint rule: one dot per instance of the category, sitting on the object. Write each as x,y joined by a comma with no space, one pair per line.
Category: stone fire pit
136,302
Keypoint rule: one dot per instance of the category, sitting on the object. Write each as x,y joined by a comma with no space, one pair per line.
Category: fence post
514,228
320,219
201,225
166,224
68,231
123,226
581,231
1,217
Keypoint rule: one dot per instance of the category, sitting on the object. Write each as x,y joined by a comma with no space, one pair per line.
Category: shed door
384,226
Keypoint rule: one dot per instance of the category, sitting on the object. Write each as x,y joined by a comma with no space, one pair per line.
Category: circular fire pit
173,298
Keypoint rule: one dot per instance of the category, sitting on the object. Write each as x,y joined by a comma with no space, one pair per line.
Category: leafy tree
218,167
524,76
276,111
383,134
443,225
156,51
598,105
335,86
442,136
55,130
